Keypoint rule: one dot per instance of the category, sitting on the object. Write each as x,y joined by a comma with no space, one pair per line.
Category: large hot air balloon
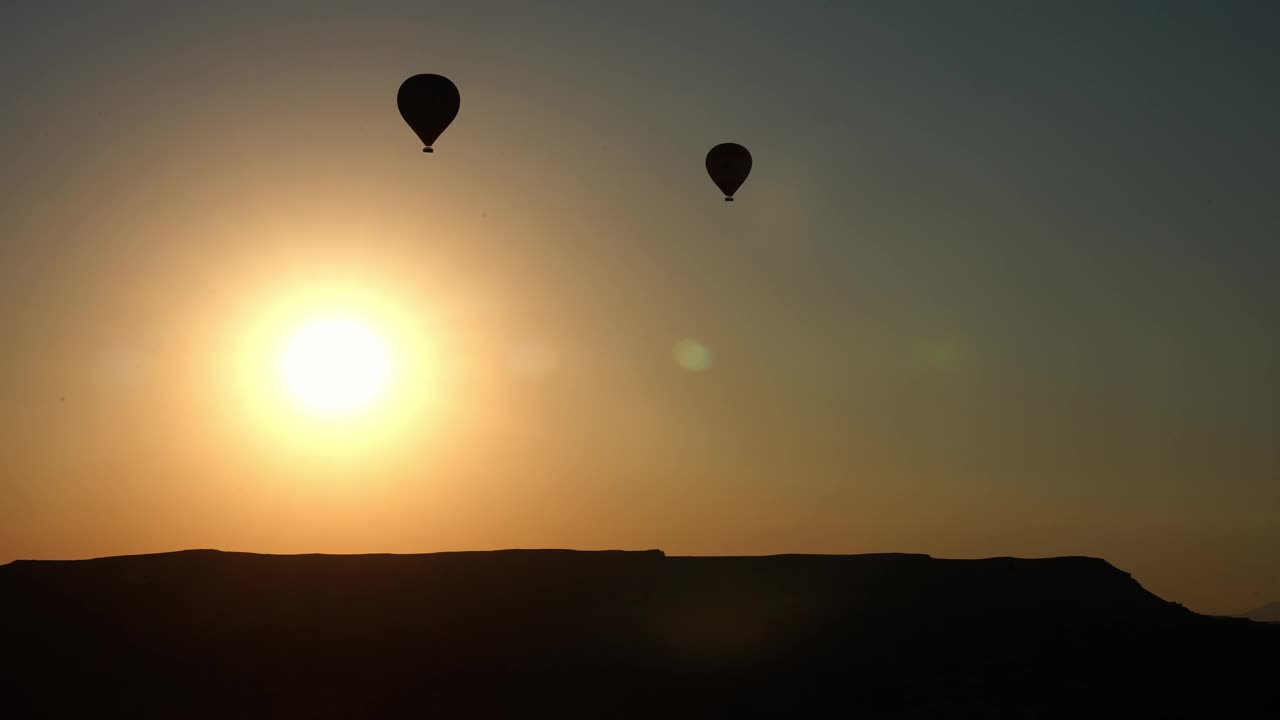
729,164
428,103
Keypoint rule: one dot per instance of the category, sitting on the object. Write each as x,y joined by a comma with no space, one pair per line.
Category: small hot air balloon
729,164
428,103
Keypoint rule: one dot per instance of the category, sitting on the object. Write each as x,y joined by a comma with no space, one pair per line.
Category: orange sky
977,298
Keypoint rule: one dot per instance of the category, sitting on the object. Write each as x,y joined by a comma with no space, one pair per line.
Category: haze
1004,280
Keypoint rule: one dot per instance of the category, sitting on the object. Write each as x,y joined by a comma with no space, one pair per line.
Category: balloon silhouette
728,164
428,103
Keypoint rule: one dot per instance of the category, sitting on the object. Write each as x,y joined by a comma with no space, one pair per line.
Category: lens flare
692,355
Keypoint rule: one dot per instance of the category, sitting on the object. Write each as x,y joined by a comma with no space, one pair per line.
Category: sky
1004,280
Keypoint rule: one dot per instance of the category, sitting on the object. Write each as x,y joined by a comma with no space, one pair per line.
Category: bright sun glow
335,374
335,366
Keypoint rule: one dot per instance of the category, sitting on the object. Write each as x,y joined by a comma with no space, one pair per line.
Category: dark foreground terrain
556,633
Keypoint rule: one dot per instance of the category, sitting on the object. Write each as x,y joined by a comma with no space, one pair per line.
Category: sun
335,366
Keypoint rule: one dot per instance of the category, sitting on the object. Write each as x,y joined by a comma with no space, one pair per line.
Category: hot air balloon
428,103
729,164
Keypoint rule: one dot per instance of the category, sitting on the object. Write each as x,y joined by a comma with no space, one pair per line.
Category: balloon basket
427,149
728,199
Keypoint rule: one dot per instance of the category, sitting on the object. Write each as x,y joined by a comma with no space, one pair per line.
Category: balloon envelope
428,103
728,164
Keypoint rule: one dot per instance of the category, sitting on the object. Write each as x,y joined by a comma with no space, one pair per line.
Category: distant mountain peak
1267,613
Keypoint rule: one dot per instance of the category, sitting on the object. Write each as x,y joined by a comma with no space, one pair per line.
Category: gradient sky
1005,280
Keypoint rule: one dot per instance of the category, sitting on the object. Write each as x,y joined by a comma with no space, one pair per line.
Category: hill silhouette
204,633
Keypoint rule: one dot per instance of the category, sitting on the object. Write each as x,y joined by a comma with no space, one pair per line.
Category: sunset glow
1003,281
335,366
